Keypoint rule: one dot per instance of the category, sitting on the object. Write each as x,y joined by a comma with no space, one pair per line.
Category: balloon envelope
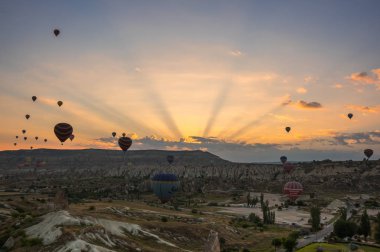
170,159
368,153
288,167
350,115
72,137
123,134
16,136
164,185
59,103
45,140
288,129
113,134
27,116
23,131
56,32
63,131
293,190
125,143
25,138
283,159
36,138
34,98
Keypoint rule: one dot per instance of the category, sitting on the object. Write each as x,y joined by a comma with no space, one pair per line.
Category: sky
220,76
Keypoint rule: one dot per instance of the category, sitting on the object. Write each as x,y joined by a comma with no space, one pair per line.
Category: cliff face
197,169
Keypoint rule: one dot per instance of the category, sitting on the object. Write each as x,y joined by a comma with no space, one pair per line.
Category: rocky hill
193,167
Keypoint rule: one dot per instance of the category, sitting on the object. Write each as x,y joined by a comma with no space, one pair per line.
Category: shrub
194,211
222,241
245,225
25,242
212,204
91,208
164,219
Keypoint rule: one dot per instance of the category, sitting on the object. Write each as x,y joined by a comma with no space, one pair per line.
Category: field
335,247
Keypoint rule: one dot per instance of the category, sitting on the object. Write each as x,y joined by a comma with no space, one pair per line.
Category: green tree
343,213
254,201
343,228
276,242
377,229
269,217
365,225
289,244
294,235
315,216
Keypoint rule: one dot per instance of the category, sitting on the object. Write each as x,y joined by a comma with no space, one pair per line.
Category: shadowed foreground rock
212,244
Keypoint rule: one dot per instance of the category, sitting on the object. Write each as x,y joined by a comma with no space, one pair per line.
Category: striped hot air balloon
63,131
164,186
125,143
293,190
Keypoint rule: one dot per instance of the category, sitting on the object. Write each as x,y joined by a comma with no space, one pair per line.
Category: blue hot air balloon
283,159
164,185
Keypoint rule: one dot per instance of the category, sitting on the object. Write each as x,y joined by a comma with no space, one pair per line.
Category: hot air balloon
25,138
125,143
34,98
368,153
15,144
288,129
31,147
288,167
27,116
23,131
293,190
123,134
72,137
59,103
164,185
113,134
170,159
350,115
36,138
16,137
45,140
283,159
56,32
63,131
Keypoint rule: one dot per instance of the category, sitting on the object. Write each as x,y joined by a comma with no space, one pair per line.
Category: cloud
308,79
365,78
372,137
236,53
309,105
337,86
301,90
364,109
260,152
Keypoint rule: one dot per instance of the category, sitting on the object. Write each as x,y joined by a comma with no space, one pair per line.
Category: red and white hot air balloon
293,190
